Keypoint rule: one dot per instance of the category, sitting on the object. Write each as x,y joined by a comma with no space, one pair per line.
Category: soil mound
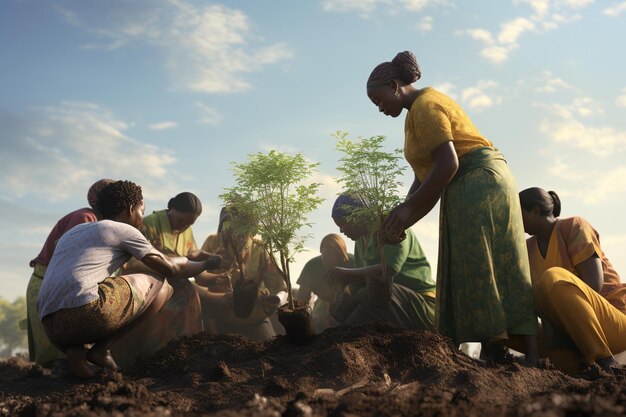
363,370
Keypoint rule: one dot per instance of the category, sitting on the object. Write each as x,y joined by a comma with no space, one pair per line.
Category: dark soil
370,370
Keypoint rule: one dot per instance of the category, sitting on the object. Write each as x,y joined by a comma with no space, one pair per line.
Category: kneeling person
81,302
406,298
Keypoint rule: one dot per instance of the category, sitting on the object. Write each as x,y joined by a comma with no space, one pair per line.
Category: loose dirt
368,370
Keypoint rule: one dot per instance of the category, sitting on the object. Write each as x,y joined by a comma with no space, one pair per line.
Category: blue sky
167,93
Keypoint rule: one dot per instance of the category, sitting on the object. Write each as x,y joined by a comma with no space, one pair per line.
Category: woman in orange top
575,286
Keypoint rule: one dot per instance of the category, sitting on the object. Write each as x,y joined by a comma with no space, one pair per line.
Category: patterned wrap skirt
97,320
484,291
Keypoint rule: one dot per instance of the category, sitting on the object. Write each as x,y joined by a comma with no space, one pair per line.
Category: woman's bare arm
590,271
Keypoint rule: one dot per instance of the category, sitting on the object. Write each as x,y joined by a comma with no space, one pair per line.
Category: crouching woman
81,302
578,293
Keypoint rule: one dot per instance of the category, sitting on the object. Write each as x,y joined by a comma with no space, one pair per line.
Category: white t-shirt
84,256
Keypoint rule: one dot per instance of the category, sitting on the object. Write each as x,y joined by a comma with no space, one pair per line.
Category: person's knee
554,275
548,280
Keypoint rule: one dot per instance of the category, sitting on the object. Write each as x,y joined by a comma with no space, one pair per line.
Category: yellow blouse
433,120
156,228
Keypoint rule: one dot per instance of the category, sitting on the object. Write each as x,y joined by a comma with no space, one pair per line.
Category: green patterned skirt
483,280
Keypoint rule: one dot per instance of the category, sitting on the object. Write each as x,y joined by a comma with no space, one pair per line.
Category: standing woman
483,279
41,350
576,288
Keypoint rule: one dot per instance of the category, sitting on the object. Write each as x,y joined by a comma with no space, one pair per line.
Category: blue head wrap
343,205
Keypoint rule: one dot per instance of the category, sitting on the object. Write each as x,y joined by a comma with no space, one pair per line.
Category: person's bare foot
77,361
101,356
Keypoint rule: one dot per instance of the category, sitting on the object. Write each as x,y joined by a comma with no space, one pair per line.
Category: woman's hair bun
556,210
407,66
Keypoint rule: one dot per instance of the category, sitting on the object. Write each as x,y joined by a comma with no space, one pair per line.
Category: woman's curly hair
118,197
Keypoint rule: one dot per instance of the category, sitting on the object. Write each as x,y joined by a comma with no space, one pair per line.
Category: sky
170,93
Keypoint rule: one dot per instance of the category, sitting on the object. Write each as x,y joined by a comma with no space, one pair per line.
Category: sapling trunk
237,249
285,273
381,246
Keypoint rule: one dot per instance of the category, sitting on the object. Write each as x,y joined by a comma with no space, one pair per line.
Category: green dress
483,282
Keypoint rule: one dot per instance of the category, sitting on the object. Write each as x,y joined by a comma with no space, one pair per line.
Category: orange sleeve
582,241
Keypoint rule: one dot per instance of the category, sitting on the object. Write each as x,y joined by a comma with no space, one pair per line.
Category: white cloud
560,169
565,128
285,148
208,47
586,106
497,53
621,100
361,7
577,3
614,239
481,35
497,47
163,125
417,5
611,187
448,89
511,31
365,8
425,24
208,114
615,10
475,97
540,7
329,188
56,150
551,83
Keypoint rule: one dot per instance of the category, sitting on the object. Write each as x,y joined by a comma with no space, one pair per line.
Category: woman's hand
424,195
334,276
222,283
212,262
400,218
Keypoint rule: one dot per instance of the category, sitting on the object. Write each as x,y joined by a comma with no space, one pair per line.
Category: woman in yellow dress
576,289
